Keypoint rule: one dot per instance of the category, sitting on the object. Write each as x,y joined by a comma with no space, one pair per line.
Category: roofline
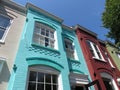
67,27
109,42
85,29
29,5
15,6
101,41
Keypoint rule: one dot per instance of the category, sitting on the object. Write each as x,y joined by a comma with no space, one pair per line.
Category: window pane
95,47
51,34
42,38
4,21
37,30
40,87
42,31
36,38
46,42
40,77
99,55
1,33
48,87
54,77
92,52
89,45
32,86
97,51
47,78
47,33
55,87
42,43
33,76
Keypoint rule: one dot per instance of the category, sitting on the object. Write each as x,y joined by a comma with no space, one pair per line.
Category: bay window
43,35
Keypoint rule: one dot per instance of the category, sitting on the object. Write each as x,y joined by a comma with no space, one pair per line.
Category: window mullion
36,80
44,82
51,82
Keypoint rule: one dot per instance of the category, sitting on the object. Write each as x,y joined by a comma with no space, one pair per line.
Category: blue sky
87,13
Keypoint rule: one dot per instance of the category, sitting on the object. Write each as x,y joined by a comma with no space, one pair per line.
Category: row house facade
103,70
114,52
12,18
49,56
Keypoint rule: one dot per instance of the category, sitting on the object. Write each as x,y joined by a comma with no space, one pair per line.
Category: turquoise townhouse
49,56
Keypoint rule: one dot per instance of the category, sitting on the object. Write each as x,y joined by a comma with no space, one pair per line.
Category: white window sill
2,42
99,59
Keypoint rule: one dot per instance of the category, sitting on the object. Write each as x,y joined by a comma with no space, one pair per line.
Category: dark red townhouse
102,69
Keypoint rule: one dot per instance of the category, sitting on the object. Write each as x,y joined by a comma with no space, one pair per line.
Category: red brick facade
97,67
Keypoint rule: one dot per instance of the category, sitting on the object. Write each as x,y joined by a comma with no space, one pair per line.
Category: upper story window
107,57
2,60
4,24
118,54
69,49
94,50
44,35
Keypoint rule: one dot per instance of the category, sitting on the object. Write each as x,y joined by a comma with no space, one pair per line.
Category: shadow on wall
5,73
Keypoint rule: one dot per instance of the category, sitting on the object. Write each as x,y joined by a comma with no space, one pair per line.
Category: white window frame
47,70
106,75
107,57
2,60
6,29
118,54
41,39
70,50
95,52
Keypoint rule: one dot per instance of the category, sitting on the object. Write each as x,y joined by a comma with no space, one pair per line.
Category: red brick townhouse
102,69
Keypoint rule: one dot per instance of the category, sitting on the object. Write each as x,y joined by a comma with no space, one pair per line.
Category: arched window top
45,24
43,68
43,78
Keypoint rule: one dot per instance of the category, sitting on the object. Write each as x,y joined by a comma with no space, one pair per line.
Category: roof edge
85,30
29,5
13,5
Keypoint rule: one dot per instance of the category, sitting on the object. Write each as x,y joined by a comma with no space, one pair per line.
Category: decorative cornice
67,27
85,30
14,6
33,7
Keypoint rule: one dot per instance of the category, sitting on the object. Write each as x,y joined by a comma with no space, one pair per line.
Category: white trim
79,79
45,69
118,54
95,52
56,40
118,80
2,60
6,30
111,63
108,76
69,49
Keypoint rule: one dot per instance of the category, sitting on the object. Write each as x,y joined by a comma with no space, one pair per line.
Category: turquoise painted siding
30,54
77,66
